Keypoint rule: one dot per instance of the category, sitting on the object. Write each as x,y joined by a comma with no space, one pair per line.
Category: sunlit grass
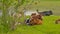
48,27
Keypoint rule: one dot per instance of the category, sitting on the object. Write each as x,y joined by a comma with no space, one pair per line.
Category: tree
6,19
6,5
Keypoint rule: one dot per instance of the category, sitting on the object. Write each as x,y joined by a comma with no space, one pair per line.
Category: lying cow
57,21
46,13
35,19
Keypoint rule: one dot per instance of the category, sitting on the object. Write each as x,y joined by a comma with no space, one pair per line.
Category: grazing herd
36,19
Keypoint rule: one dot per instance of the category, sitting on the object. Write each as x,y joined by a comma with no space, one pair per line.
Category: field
48,26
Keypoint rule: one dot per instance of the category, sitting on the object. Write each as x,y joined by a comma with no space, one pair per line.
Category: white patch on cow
29,12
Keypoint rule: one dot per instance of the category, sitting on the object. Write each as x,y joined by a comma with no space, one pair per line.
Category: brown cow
57,21
35,19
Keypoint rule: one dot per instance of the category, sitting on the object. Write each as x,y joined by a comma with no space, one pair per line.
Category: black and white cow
46,13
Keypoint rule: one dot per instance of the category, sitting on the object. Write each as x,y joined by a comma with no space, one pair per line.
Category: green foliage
5,16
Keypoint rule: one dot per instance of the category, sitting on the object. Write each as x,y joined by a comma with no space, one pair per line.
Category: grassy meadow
48,26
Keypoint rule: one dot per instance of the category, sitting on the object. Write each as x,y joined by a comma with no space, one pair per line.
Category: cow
46,13
29,19
57,21
35,19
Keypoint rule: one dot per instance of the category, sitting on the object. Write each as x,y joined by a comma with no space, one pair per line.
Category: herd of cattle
36,19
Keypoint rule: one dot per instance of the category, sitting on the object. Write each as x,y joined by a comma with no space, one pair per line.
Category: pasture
48,26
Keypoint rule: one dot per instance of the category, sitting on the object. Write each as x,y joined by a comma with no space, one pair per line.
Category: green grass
48,27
